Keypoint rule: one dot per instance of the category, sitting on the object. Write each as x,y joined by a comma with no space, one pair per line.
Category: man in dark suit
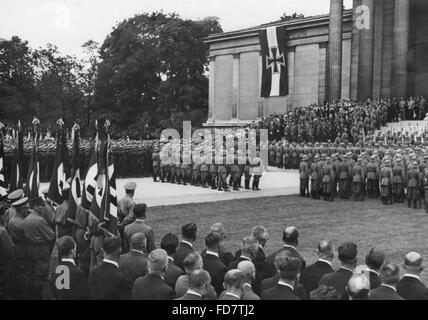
225,255
374,260
269,283
313,273
249,271
290,237
139,225
75,287
169,243
188,234
212,263
106,282
347,254
389,275
410,286
233,285
289,269
153,285
199,280
134,263
248,252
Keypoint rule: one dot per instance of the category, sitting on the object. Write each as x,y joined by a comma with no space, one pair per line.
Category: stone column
335,39
355,44
400,48
366,52
211,90
387,48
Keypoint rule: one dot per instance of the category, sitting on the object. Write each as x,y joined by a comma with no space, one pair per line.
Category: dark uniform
156,164
344,173
398,182
372,178
315,174
385,184
327,180
358,180
304,177
412,186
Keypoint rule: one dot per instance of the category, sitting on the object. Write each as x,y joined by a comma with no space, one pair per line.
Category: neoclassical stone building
377,49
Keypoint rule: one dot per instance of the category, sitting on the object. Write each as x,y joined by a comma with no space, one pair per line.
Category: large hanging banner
274,62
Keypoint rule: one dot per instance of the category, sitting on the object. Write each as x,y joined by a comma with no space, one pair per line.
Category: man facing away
153,285
199,280
77,283
410,286
389,276
133,264
106,282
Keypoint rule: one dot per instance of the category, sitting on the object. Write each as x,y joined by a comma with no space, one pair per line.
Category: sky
70,23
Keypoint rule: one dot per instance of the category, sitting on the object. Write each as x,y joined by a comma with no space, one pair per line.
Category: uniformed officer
40,238
11,198
205,170
63,226
213,176
358,180
344,174
398,181
125,206
222,176
315,174
372,178
385,184
257,170
235,172
304,177
327,180
16,232
156,164
413,185
7,255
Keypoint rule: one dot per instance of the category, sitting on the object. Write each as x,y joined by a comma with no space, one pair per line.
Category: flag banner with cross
274,62
3,186
61,166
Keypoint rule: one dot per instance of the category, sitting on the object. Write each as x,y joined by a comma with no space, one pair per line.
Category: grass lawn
396,229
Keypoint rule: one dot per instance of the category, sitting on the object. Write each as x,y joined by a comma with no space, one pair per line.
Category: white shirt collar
233,295
289,246
111,262
190,291
187,242
411,276
212,253
374,271
69,260
140,220
345,268
388,286
138,251
246,284
326,261
282,283
170,259
246,258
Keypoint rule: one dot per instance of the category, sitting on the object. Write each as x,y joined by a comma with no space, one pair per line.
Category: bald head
248,269
413,263
325,250
138,241
290,236
198,280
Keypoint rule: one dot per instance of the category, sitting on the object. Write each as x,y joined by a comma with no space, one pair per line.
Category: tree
88,74
152,65
294,16
17,90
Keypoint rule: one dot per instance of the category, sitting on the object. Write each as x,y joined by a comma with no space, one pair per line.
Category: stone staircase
406,126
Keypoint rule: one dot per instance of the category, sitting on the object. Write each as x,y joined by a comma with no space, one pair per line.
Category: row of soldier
390,175
207,174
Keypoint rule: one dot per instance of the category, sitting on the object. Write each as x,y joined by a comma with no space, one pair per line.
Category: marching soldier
372,178
204,172
344,173
358,180
315,174
327,180
156,164
304,177
385,184
413,185
398,181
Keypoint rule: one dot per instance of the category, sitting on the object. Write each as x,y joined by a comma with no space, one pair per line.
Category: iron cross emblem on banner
275,60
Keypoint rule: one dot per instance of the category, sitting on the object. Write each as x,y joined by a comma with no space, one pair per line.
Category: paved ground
273,183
